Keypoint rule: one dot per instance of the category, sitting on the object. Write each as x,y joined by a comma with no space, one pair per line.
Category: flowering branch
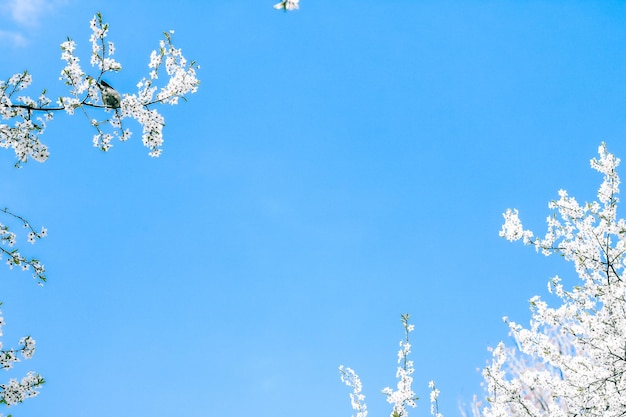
14,257
16,391
23,135
23,120
434,402
357,399
404,395
572,358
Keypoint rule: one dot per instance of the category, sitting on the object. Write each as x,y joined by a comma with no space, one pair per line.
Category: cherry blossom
403,396
571,360
28,117
14,257
24,119
357,399
287,5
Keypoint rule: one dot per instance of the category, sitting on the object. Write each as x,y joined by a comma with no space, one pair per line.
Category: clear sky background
340,165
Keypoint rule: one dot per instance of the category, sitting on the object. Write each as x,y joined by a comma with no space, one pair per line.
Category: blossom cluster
22,133
16,391
24,119
14,257
27,117
404,395
180,76
571,360
287,5
357,399
434,403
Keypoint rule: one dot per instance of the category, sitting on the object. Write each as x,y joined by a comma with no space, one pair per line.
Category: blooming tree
403,396
571,361
24,119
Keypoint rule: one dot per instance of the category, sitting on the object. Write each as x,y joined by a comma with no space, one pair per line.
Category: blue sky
340,165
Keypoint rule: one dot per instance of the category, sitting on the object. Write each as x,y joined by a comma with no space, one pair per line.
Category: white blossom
287,5
17,391
24,118
8,239
400,398
571,360
357,399
28,117
434,404
404,395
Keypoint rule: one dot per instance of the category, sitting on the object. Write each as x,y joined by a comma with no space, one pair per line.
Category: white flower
569,361
357,399
287,5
